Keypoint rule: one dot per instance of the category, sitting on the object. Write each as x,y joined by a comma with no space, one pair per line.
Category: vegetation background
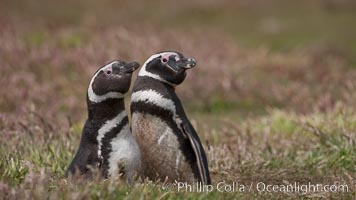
272,98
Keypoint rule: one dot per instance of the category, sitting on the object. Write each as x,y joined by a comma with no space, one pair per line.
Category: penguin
170,147
106,141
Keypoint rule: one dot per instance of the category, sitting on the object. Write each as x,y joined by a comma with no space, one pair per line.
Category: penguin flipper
198,151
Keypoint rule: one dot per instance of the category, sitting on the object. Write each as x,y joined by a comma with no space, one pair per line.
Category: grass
272,97
273,148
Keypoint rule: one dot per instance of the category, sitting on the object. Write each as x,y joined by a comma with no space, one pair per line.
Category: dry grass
264,115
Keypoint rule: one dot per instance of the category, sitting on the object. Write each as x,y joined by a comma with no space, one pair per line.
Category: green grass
299,148
272,98
279,25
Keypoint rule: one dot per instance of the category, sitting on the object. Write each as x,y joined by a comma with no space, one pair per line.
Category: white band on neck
99,98
144,72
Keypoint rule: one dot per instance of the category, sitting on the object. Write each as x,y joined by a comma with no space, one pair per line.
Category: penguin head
111,81
168,67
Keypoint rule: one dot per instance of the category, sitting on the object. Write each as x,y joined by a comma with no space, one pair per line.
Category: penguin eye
108,72
164,60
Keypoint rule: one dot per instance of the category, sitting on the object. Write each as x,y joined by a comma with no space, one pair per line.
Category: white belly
125,152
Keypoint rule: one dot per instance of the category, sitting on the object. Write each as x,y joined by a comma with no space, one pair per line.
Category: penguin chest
124,154
165,152
154,134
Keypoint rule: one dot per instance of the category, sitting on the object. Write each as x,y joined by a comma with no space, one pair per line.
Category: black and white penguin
106,140
170,147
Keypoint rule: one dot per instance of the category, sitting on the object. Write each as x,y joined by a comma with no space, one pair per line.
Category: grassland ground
272,98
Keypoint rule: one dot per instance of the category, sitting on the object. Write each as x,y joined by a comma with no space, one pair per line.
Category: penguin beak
191,62
131,67
186,63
